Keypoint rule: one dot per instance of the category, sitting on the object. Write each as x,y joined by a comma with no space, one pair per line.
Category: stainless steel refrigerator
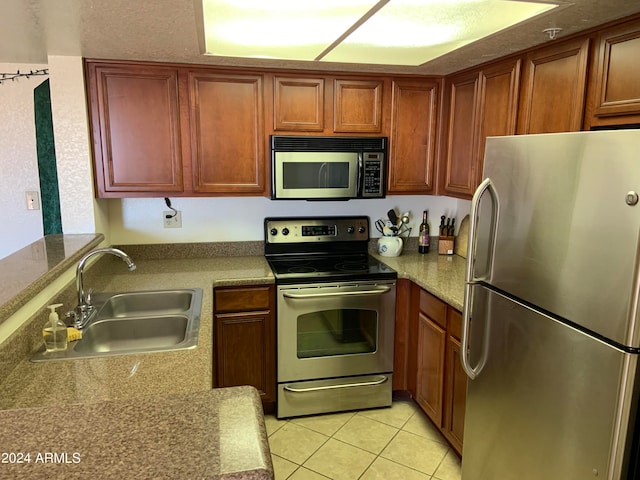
551,329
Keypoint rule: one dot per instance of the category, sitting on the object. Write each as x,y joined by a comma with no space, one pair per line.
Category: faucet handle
88,296
72,316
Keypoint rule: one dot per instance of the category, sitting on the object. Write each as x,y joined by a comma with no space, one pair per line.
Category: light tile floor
382,444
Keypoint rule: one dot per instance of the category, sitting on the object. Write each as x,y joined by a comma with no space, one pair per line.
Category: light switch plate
33,200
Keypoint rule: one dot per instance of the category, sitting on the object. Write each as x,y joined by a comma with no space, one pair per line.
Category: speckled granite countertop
35,265
129,376
160,394
211,434
151,415
441,275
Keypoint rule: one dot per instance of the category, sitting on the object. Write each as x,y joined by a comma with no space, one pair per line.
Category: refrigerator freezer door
567,237
546,403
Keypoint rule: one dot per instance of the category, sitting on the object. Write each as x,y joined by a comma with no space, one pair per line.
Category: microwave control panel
373,173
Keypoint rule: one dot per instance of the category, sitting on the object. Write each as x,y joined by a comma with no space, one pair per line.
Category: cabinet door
455,390
553,88
135,124
227,133
461,162
358,106
480,105
298,104
413,133
431,353
244,339
498,107
616,96
245,352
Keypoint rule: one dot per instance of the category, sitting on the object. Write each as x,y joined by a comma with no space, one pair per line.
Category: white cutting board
463,238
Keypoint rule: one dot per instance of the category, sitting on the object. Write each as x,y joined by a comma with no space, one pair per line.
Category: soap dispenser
54,331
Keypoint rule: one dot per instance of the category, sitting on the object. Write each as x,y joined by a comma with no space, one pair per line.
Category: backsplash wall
229,219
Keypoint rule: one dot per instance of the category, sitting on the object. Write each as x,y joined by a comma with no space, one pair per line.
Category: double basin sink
136,322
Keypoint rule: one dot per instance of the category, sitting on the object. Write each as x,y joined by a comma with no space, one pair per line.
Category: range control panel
320,229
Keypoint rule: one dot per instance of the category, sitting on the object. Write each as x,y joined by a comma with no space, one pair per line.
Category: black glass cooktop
324,268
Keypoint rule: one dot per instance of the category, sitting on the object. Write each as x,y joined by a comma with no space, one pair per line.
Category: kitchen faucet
84,310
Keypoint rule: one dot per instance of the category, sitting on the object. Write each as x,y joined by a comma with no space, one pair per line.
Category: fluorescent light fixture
285,29
397,32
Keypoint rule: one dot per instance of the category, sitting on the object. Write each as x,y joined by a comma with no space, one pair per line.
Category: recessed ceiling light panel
286,29
412,32
397,32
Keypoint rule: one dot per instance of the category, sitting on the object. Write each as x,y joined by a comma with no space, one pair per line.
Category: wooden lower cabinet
244,340
430,364
455,389
432,337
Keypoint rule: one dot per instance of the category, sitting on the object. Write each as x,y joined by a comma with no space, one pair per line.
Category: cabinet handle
379,381
378,291
471,280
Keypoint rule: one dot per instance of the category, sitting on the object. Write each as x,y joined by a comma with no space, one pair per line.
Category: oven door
335,330
303,175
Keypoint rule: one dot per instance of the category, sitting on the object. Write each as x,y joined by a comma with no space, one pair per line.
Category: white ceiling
168,31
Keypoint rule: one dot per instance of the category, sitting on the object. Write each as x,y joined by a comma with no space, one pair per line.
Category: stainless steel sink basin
137,322
146,303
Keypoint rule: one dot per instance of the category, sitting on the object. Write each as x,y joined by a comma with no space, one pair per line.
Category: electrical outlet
33,200
174,220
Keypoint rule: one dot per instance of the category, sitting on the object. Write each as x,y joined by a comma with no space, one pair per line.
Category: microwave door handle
322,175
359,176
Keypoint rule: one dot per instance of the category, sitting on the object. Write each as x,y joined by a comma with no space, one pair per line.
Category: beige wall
18,159
81,213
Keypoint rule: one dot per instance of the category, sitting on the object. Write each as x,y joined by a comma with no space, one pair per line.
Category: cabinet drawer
238,299
433,308
454,319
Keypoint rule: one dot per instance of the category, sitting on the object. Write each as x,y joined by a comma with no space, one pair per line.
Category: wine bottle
423,236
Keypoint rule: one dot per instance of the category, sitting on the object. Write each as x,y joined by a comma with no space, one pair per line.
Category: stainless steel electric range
335,315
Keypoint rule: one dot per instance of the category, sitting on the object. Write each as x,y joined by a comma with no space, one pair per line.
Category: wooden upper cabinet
298,104
481,104
227,133
135,123
553,90
414,112
463,130
615,96
358,106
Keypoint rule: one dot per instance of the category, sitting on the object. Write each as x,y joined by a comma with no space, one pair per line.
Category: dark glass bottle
423,235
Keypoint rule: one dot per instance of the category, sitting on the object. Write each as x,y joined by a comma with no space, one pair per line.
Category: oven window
337,332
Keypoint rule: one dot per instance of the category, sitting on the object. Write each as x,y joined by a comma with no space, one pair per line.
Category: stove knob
361,229
350,229
285,231
274,231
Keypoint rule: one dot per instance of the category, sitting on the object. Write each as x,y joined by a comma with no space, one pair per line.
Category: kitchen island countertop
216,433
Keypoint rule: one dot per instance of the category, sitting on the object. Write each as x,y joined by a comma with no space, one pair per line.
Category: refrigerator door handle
485,187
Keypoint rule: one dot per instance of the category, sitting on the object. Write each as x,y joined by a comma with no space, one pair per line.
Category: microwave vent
328,144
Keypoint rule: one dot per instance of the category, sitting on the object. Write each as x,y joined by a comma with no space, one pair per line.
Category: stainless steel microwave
327,168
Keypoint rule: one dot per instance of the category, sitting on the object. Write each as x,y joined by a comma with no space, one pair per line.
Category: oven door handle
377,291
379,381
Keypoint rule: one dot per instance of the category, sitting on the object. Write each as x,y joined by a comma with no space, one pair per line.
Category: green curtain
48,172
